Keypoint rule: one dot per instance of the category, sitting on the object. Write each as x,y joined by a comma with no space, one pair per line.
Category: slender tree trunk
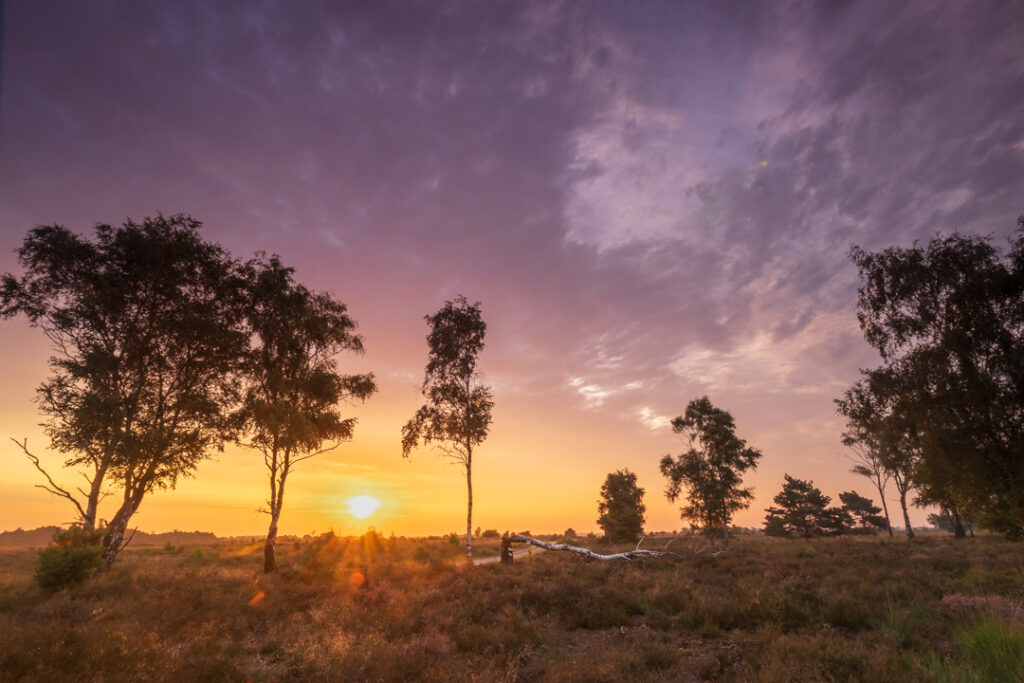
469,507
906,515
92,504
885,506
958,525
276,502
96,488
269,559
113,540
725,524
135,489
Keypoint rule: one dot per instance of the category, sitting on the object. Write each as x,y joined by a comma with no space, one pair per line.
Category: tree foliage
885,440
145,322
712,468
292,388
948,321
863,513
801,509
457,414
621,508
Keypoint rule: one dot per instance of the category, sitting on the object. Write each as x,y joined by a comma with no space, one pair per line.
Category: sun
362,507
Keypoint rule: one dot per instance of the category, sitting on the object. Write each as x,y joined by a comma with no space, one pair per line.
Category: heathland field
375,608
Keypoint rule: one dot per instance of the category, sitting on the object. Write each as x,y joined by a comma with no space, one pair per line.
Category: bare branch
322,450
455,453
55,490
125,544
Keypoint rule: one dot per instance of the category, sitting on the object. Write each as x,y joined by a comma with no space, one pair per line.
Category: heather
380,608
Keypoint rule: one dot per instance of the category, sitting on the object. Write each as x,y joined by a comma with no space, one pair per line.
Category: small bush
73,557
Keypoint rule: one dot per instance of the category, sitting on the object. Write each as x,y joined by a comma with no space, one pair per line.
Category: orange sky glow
541,469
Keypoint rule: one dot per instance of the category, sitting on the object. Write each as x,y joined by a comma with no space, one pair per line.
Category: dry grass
372,608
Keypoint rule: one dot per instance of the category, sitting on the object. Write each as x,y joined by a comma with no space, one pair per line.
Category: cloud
651,420
593,395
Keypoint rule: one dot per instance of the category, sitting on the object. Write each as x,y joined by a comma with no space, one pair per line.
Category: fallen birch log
628,555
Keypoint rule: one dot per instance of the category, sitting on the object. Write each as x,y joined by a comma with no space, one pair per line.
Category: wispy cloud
651,420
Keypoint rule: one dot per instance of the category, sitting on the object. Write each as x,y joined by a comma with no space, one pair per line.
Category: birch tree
947,320
874,425
867,456
145,324
457,414
292,388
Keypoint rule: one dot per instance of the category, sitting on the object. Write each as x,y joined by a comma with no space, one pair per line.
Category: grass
373,608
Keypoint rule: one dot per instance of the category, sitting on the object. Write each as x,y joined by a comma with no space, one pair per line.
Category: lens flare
362,507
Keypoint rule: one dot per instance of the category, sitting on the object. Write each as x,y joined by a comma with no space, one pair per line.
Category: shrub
73,557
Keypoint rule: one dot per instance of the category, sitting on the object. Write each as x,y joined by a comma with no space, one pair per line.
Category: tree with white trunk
457,414
292,388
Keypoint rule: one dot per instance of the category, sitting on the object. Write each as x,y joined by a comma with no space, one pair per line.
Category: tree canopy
711,469
145,323
621,508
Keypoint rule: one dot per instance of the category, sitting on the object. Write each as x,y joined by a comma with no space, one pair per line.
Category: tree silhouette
621,508
145,322
882,436
457,414
948,321
712,469
291,384
863,513
803,510
868,463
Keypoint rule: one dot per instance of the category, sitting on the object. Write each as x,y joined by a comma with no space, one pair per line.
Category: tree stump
506,549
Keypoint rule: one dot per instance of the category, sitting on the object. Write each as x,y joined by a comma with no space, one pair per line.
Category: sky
653,202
